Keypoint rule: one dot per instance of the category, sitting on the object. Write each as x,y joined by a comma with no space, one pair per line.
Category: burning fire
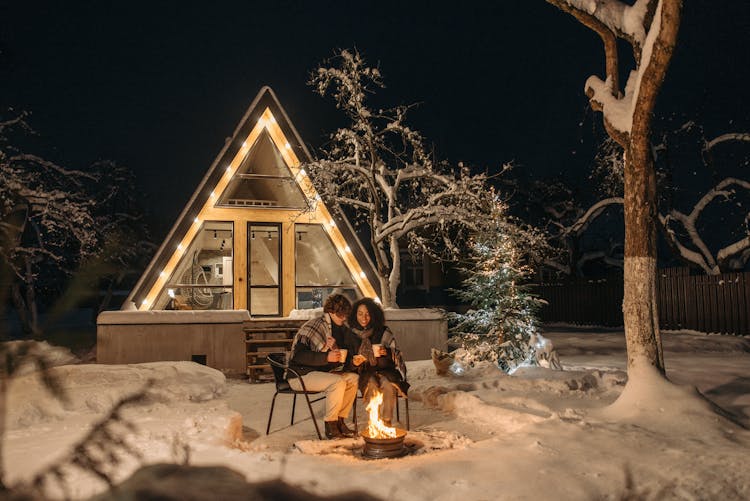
376,427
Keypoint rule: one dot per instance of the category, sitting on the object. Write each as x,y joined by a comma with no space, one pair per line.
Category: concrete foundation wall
417,331
127,337
130,337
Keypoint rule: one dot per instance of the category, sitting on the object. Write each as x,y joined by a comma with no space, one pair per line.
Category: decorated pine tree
501,326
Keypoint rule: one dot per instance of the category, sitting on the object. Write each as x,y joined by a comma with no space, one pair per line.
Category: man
316,355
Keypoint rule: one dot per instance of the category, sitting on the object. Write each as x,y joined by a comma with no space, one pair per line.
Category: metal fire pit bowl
379,448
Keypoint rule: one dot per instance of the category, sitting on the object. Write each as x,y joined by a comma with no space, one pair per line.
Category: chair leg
270,414
406,401
312,416
294,404
354,415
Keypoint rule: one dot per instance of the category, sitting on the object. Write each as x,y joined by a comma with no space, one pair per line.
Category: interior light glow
170,293
348,249
331,223
273,120
179,247
288,146
163,274
302,172
145,302
244,144
362,274
377,300
229,168
196,220
213,195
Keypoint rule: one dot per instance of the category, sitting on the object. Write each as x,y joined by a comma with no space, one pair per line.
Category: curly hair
377,317
338,304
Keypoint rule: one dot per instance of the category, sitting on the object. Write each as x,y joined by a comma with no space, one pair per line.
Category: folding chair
280,368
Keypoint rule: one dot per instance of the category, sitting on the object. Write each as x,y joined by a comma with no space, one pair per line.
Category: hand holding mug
378,350
334,356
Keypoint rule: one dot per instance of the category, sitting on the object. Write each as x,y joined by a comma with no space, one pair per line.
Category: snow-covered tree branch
380,169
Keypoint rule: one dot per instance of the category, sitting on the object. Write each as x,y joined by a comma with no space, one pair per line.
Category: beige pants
390,394
340,388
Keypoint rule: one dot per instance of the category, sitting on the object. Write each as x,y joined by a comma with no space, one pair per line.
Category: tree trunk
385,292
639,306
394,279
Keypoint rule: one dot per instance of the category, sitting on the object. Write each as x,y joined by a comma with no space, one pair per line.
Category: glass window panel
264,301
264,256
314,297
263,192
320,271
263,180
203,278
318,262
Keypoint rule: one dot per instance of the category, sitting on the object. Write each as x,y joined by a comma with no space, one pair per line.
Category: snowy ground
539,434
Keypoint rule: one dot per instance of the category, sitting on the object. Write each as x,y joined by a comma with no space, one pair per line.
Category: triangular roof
264,113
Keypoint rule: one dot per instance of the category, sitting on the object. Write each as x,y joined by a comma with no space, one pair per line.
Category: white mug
376,349
343,352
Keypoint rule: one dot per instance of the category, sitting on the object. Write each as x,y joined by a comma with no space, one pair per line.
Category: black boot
332,430
345,430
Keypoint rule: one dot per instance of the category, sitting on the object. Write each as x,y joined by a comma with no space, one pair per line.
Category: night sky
158,86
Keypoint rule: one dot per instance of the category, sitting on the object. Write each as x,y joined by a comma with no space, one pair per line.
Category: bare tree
46,221
53,220
650,27
556,208
380,169
682,230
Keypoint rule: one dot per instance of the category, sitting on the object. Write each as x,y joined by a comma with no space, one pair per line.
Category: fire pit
388,447
381,441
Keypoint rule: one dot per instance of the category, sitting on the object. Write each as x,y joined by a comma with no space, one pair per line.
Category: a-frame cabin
256,235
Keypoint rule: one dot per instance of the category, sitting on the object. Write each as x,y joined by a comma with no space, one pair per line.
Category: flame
376,428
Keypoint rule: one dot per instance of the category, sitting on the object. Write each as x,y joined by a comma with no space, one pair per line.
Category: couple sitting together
334,353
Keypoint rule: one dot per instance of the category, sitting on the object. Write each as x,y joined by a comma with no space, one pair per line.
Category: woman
383,371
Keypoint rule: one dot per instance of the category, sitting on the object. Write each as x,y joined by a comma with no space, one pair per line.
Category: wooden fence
706,303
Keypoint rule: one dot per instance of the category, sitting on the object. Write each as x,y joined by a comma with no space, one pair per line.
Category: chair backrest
277,361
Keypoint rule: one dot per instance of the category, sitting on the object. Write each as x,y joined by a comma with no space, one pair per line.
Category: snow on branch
592,213
726,138
639,24
701,254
